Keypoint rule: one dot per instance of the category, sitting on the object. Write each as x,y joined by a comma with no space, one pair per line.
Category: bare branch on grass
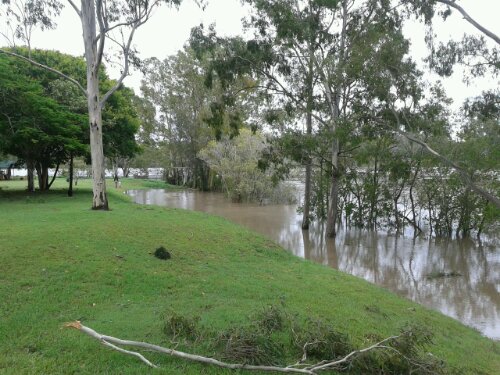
113,343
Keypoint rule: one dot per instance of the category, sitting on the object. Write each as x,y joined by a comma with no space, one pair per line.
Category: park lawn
61,261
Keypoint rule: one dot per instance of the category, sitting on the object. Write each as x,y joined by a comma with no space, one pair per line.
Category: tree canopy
43,116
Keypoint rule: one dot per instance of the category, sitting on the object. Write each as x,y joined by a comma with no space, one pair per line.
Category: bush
177,326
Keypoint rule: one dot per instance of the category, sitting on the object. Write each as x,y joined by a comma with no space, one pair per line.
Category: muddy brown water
460,278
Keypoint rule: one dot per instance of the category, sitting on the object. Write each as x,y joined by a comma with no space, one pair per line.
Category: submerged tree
190,113
329,64
175,86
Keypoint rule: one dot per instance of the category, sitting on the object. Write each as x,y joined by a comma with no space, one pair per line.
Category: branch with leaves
55,71
463,174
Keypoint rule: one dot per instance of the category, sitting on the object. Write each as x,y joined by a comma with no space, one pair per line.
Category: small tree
236,161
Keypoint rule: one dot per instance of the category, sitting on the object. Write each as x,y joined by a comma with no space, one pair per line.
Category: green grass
61,261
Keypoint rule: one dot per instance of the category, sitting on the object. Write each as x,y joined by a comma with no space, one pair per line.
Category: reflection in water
400,264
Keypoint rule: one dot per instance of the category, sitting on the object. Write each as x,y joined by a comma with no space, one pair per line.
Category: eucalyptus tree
175,86
190,112
479,55
101,21
279,58
21,17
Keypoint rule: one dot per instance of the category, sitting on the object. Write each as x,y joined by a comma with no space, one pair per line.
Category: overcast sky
169,29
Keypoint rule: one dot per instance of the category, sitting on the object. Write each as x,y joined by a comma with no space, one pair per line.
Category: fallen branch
113,342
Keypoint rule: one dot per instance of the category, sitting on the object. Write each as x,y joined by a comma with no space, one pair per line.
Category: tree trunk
396,213
31,176
307,198
70,188
38,170
125,169
307,191
412,201
49,184
100,199
331,224
42,172
334,99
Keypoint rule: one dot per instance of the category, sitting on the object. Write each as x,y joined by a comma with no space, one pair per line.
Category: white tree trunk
334,98
309,108
88,18
331,223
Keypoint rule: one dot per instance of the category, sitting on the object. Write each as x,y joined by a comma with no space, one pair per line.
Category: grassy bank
60,261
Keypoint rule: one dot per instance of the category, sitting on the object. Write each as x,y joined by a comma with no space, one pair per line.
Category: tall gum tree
100,20
477,54
321,57
280,60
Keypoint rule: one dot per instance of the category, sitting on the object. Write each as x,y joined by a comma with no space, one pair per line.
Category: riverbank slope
60,262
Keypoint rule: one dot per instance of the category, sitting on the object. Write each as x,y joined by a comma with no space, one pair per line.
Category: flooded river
460,278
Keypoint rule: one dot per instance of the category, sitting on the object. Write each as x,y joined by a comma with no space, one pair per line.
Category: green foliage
187,109
121,124
180,326
236,160
35,127
240,345
45,117
471,52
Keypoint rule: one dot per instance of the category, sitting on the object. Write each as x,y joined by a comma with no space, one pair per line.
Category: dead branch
113,343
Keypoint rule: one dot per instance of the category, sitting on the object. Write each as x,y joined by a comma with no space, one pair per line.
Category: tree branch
126,52
33,62
463,174
138,21
73,5
113,341
102,33
469,19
